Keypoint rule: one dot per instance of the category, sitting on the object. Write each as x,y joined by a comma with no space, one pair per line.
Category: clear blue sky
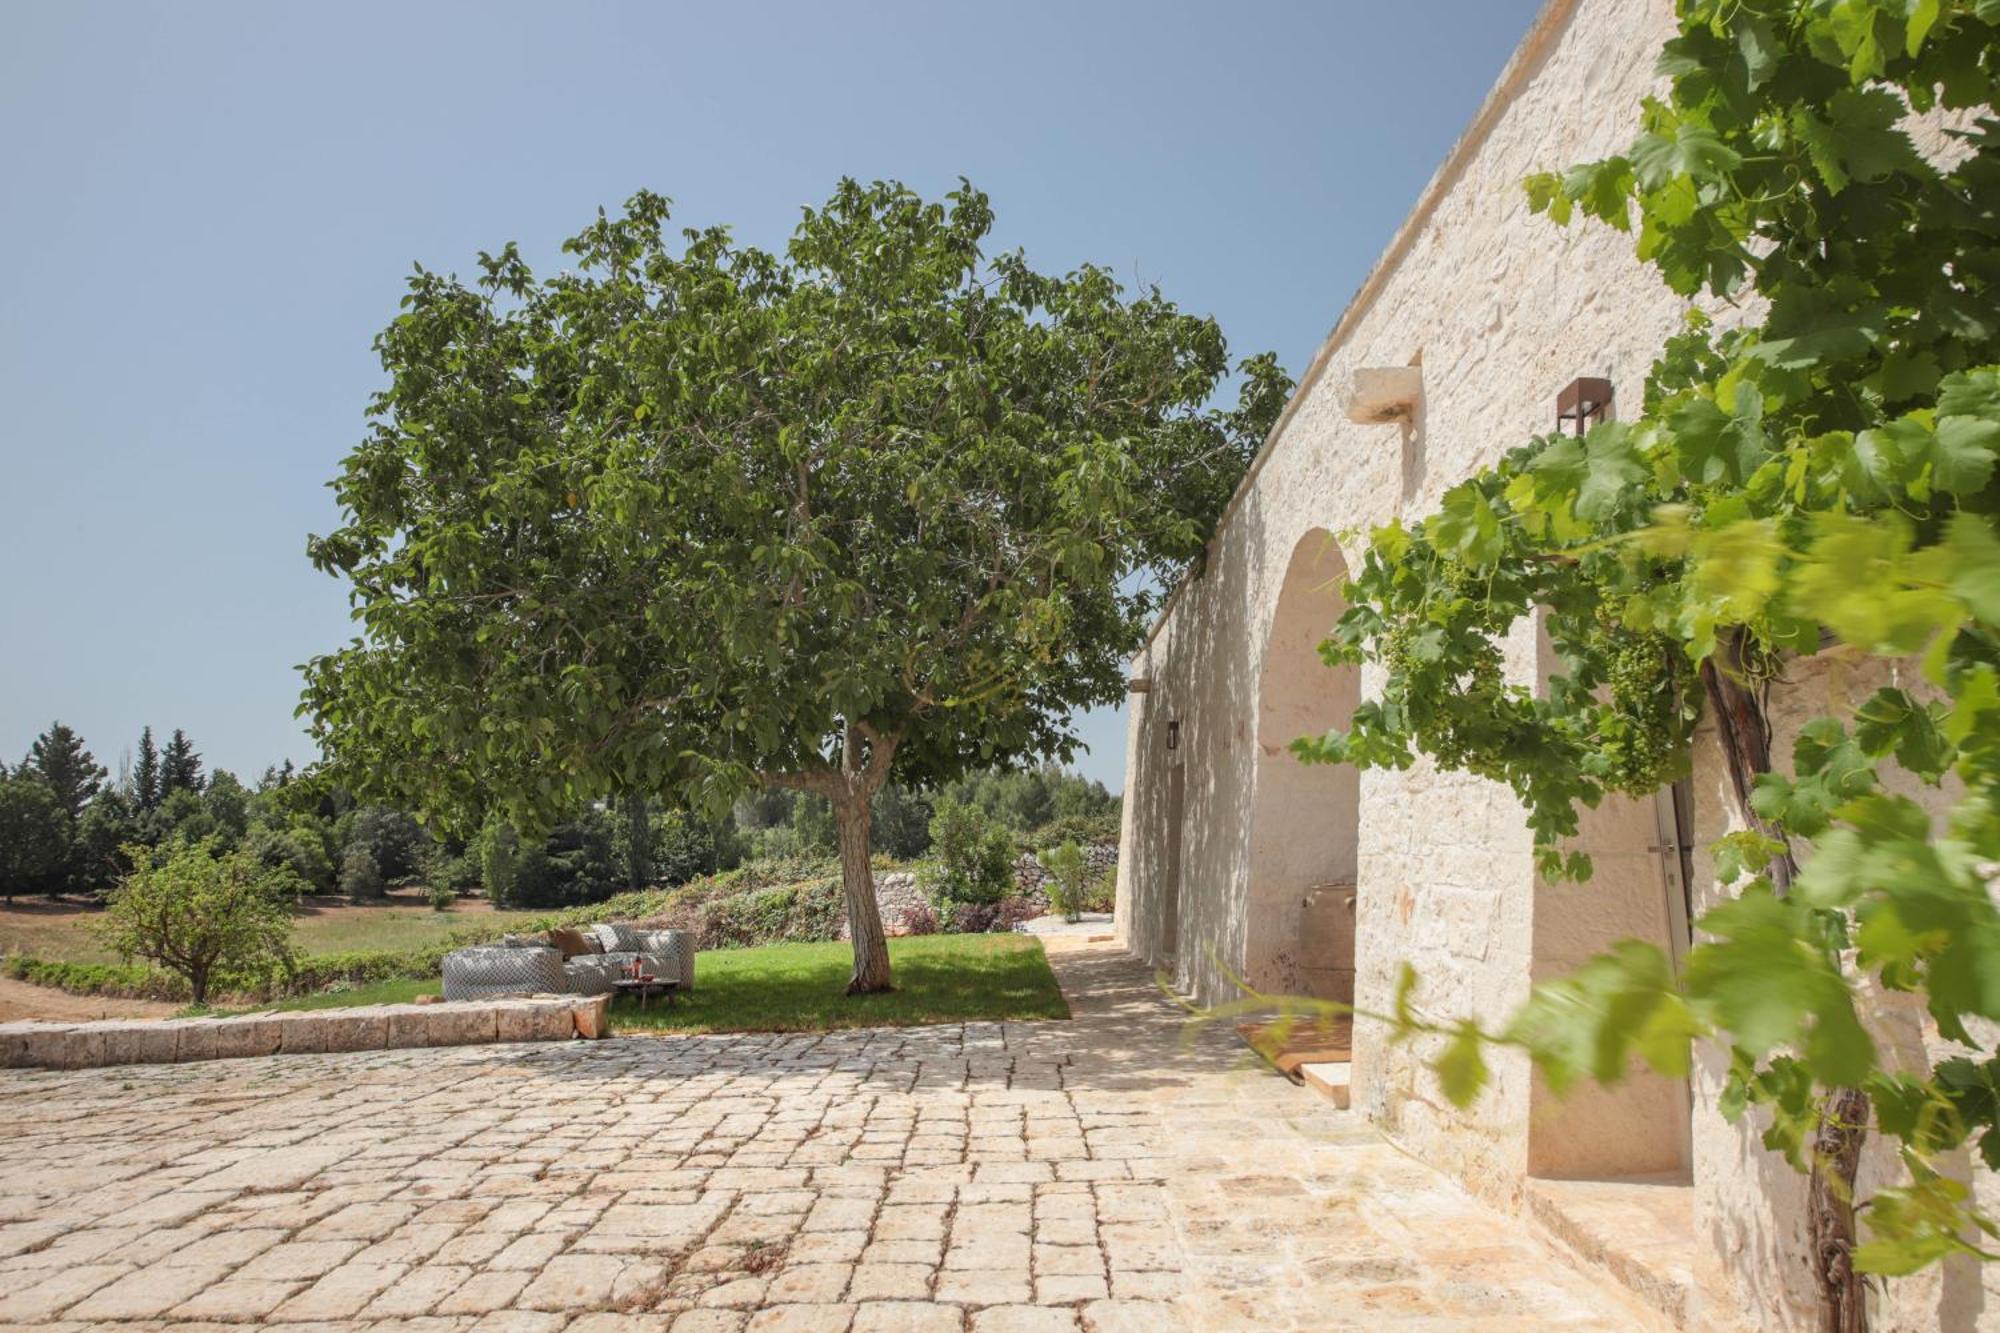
207,210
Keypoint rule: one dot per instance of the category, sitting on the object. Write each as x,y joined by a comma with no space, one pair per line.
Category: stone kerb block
73,1046
256,1034
138,1043
26,1045
195,1038
356,1030
301,1033
465,1024
591,1017
532,1020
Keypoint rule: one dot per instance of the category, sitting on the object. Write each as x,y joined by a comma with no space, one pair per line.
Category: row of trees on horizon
69,828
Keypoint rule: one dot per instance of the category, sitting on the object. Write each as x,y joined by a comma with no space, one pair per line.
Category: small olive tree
197,913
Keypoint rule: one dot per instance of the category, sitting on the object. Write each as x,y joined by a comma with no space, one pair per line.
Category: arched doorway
1306,819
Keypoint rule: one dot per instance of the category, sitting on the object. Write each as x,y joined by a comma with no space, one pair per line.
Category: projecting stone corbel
1385,393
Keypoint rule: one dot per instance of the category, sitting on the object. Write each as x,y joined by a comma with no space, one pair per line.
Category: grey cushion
619,937
596,973
672,952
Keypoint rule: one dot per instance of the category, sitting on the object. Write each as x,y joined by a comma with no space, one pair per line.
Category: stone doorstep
1330,1079
1638,1232
37,1045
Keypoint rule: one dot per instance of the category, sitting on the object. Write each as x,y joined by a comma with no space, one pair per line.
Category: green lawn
395,925
798,988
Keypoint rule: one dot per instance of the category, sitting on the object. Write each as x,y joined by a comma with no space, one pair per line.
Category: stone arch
1305,823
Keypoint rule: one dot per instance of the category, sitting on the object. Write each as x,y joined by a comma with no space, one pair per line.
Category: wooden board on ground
1286,1044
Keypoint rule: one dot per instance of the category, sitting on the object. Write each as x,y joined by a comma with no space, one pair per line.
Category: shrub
295,849
1101,895
974,918
460,873
360,876
442,896
1016,908
197,914
1069,879
973,857
921,919
393,837
1084,830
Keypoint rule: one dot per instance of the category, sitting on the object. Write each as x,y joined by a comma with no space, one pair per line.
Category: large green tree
33,848
72,773
695,517
180,766
146,775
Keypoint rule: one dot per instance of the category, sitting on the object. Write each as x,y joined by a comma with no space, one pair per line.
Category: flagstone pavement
1108,1173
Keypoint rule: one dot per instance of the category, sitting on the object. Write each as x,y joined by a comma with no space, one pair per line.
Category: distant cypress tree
146,776
180,766
72,773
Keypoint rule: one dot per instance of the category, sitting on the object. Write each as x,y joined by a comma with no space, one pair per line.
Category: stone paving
1103,1174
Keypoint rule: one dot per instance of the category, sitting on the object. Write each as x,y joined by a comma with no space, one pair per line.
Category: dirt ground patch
19,1000
60,931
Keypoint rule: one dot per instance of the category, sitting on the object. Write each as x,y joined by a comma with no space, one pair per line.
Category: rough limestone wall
1503,309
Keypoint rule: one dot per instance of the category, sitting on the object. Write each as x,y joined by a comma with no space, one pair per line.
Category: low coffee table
647,987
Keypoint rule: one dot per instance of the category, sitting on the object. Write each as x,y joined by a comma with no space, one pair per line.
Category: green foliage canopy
680,519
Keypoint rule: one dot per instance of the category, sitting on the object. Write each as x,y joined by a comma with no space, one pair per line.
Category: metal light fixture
1584,402
1174,734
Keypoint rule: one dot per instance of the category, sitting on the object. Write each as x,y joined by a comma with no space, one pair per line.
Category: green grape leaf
1691,150
1461,1066
1768,984
1892,720
1600,470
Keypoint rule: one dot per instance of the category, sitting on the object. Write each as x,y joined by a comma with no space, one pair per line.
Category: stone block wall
1500,310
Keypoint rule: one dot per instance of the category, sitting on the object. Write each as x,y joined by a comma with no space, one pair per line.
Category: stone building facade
1240,863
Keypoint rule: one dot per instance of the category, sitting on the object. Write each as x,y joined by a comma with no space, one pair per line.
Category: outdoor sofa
585,961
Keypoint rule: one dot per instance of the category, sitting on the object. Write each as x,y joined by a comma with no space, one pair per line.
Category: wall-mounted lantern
1582,404
1174,734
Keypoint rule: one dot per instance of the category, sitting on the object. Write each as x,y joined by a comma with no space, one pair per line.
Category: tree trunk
638,841
857,881
1745,734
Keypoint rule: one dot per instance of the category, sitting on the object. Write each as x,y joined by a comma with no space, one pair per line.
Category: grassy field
60,932
798,988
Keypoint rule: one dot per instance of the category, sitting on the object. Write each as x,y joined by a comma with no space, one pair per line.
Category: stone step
1330,1079
1638,1232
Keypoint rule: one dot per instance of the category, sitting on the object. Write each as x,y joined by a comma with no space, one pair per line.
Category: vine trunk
1744,730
